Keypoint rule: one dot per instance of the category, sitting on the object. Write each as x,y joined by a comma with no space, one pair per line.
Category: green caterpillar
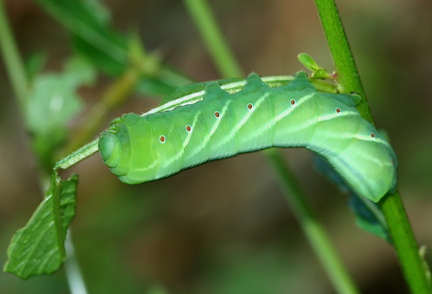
167,140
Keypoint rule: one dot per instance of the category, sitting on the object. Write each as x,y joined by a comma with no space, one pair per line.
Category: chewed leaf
38,248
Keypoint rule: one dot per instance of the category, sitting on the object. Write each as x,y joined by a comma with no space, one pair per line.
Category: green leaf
34,64
94,39
107,49
38,248
310,63
52,102
112,63
100,11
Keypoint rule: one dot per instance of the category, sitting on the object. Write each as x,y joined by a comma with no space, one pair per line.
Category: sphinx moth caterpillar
255,115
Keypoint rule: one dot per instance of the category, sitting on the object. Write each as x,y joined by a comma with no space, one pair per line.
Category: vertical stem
348,76
311,226
72,269
12,59
220,51
297,200
403,238
413,266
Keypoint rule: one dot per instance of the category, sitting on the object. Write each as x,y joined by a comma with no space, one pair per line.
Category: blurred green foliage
52,103
222,228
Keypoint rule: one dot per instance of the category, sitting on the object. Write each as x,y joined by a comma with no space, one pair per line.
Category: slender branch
219,50
411,261
313,230
72,269
78,155
391,205
347,73
12,59
311,226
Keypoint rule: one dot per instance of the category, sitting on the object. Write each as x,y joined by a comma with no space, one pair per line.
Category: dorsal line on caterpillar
195,97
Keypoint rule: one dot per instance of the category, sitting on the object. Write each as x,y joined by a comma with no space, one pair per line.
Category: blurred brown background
224,227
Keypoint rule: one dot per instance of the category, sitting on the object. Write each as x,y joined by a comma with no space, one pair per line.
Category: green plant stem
72,269
220,51
310,224
412,264
12,59
346,69
78,155
315,233
403,238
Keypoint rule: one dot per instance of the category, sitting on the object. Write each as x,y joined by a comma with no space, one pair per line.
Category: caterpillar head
128,148
114,147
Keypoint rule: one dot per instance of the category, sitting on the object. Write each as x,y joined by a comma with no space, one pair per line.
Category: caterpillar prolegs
140,148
